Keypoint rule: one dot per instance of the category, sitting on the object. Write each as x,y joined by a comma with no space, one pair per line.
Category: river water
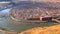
7,24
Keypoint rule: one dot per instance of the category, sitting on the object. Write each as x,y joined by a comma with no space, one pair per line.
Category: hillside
46,30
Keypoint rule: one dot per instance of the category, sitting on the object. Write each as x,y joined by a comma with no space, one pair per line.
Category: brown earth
46,30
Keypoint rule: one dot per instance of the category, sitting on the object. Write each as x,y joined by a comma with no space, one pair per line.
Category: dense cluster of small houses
36,12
